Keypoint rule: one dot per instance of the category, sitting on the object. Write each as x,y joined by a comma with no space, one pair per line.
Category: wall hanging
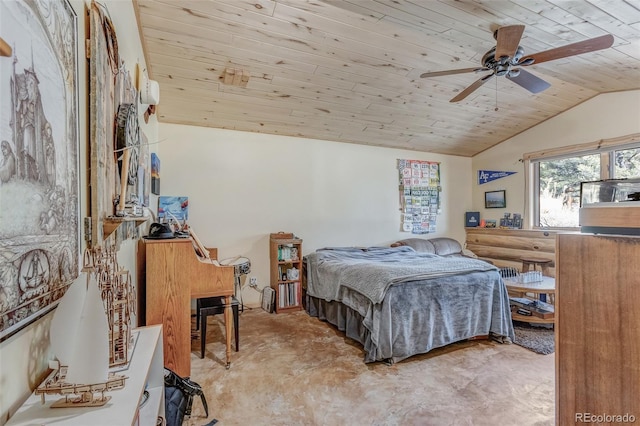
495,199
155,174
419,195
115,137
485,176
39,206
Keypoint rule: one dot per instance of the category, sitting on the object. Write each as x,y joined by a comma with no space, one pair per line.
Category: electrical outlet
253,281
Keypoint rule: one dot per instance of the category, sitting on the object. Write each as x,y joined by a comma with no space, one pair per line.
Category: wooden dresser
506,247
174,276
597,327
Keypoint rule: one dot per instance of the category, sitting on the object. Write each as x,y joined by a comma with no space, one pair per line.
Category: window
556,177
626,163
559,188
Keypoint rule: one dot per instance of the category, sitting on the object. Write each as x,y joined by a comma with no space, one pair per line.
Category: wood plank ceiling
348,71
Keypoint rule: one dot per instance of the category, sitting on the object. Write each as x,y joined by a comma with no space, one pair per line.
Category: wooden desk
174,276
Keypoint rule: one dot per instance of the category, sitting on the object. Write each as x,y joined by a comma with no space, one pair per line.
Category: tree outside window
559,188
626,163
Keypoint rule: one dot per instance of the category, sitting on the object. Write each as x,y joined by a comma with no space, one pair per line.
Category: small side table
545,287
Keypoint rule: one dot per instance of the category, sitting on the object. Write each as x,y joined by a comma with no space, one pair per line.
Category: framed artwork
176,208
39,185
495,199
155,174
144,172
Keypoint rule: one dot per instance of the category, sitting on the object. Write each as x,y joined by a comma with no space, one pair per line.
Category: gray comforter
409,302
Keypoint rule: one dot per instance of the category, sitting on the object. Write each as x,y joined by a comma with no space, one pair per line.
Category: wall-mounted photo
155,174
495,199
39,232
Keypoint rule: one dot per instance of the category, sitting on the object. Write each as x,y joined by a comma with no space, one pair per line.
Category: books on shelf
287,253
288,294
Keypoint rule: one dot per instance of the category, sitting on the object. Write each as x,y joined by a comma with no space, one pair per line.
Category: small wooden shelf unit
285,253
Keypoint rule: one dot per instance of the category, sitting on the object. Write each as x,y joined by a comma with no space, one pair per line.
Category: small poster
176,208
155,174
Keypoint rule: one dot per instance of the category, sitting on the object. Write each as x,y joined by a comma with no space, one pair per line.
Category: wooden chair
207,306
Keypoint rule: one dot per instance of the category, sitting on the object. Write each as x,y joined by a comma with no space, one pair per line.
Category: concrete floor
293,369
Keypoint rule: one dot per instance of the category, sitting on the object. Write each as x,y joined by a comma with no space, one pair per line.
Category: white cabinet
145,372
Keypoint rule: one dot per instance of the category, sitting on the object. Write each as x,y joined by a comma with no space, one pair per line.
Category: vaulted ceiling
349,71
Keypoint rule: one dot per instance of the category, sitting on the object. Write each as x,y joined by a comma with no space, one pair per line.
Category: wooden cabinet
144,372
285,253
506,247
597,326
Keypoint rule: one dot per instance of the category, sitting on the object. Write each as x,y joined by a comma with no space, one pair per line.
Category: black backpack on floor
178,397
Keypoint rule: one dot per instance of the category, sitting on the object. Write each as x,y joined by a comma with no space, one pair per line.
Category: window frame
605,147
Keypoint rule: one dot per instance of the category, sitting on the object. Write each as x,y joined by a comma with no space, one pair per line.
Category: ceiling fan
506,58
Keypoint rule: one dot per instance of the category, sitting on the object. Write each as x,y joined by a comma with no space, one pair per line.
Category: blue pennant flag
485,176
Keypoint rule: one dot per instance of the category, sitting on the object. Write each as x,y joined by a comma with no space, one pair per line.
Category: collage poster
419,195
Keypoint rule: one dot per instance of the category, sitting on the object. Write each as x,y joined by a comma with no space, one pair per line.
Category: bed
398,302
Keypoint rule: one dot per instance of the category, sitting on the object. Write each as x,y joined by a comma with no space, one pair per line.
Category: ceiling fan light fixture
507,54
502,69
518,55
489,58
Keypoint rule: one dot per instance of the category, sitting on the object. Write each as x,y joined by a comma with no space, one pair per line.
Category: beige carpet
296,370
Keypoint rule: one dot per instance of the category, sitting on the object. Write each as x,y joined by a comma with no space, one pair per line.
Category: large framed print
39,186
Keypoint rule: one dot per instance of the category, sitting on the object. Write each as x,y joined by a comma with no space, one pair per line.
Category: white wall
603,117
244,186
24,356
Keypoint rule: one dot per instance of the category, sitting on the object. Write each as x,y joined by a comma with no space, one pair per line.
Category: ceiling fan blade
507,40
450,72
586,46
469,90
530,82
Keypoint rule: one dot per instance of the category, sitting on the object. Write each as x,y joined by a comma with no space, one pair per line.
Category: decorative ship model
90,333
